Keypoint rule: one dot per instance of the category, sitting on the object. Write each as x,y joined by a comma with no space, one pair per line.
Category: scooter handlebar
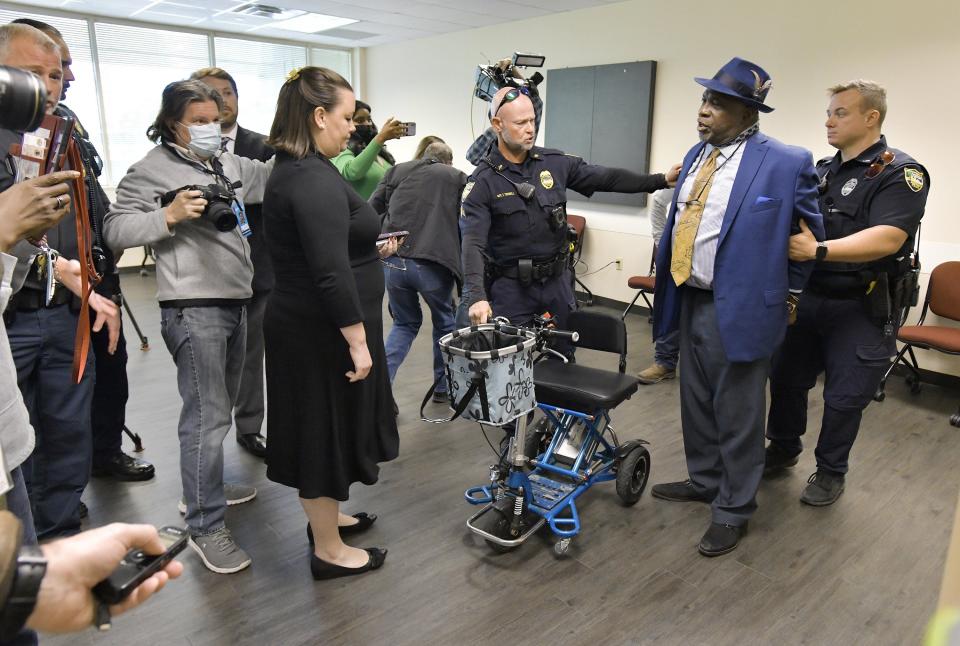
562,334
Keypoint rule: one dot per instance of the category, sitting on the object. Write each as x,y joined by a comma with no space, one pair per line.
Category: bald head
499,102
514,120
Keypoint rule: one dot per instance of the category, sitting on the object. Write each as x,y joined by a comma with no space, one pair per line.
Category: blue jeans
58,470
422,278
666,350
207,345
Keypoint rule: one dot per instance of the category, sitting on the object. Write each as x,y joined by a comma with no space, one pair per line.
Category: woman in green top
365,160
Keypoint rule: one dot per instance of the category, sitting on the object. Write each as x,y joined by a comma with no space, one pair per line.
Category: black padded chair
571,385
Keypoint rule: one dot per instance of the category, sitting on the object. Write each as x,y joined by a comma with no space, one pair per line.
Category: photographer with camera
185,199
515,237
42,331
365,161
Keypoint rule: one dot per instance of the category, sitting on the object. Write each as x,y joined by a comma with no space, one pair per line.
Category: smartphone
383,238
409,128
136,567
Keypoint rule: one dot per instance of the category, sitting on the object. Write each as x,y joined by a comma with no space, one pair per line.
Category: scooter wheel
633,474
561,546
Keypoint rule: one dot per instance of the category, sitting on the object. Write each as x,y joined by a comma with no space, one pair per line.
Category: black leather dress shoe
121,466
253,443
679,492
320,569
776,459
364,520
721,539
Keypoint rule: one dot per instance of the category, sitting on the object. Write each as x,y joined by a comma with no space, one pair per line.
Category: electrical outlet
619,263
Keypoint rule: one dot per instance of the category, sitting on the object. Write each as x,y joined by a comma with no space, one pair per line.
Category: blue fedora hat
743,81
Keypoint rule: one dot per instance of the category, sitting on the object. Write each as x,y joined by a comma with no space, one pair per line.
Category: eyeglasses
511,95
884,159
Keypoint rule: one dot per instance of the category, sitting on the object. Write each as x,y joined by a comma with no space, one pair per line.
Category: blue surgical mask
204,139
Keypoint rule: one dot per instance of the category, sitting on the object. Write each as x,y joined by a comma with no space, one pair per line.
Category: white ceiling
379,21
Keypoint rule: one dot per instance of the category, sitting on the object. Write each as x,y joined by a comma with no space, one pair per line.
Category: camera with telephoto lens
490,78
23,100
219,211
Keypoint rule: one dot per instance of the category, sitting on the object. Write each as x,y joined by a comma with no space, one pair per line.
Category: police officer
514,221
111,387
872,198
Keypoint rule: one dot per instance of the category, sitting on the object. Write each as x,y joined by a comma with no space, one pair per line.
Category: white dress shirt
231,138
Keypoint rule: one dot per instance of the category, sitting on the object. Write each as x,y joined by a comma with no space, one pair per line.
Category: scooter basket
489,372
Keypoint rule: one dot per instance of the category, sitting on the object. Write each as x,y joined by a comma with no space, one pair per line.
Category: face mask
205,139
365,133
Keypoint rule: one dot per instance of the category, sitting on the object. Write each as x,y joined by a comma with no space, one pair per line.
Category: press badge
241,213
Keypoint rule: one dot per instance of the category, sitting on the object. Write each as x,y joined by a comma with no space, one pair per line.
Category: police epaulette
825,160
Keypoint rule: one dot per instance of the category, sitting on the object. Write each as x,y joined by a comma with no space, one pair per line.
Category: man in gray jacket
204,275
423,197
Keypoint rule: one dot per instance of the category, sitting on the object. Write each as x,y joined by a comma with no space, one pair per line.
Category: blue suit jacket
775,187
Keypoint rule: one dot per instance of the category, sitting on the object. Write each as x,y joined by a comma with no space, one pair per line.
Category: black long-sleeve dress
324,432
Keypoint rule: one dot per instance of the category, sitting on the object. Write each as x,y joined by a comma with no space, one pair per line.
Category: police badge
848,187
546,179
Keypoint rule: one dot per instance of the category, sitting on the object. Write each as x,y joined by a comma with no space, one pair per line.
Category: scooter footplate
548,493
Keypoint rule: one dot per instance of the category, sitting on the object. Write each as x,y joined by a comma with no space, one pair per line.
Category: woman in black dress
329,414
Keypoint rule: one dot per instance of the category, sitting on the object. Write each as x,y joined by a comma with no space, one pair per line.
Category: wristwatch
822,250
30,568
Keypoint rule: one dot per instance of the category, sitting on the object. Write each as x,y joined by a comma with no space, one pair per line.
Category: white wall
806,47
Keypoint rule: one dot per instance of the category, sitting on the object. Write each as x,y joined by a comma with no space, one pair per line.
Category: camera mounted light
528,60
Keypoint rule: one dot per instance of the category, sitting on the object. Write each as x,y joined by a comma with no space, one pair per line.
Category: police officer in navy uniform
872,198
111,388
514,222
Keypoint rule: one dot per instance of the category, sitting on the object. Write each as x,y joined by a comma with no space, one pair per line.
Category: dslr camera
219,211
490,78
22,100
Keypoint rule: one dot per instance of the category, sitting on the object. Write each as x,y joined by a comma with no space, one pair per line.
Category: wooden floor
864,571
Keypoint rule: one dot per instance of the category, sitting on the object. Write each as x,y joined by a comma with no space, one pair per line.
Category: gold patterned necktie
685,230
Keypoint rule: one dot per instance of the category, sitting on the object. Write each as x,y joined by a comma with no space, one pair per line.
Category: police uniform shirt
851,202
499,225
708,233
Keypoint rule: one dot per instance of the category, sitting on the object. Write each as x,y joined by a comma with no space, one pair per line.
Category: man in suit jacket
249,408
728,283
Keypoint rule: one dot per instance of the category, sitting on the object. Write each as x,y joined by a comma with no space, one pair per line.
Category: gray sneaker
822,489
655,374
219,552
235,493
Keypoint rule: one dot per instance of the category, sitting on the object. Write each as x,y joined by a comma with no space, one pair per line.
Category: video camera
219,211
22,100
490,78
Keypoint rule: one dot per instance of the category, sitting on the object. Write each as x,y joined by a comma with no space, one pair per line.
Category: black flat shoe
320,569
364,521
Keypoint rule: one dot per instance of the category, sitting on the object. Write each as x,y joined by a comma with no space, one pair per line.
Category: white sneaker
219,552
236,494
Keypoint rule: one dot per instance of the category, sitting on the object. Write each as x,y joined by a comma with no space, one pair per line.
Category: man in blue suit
730,288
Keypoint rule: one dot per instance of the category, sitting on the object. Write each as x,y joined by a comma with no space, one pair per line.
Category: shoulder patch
466,190
914,178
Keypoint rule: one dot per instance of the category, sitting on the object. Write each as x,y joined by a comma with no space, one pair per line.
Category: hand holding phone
384,238
137,566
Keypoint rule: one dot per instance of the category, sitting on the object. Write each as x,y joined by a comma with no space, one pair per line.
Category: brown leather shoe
655,374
